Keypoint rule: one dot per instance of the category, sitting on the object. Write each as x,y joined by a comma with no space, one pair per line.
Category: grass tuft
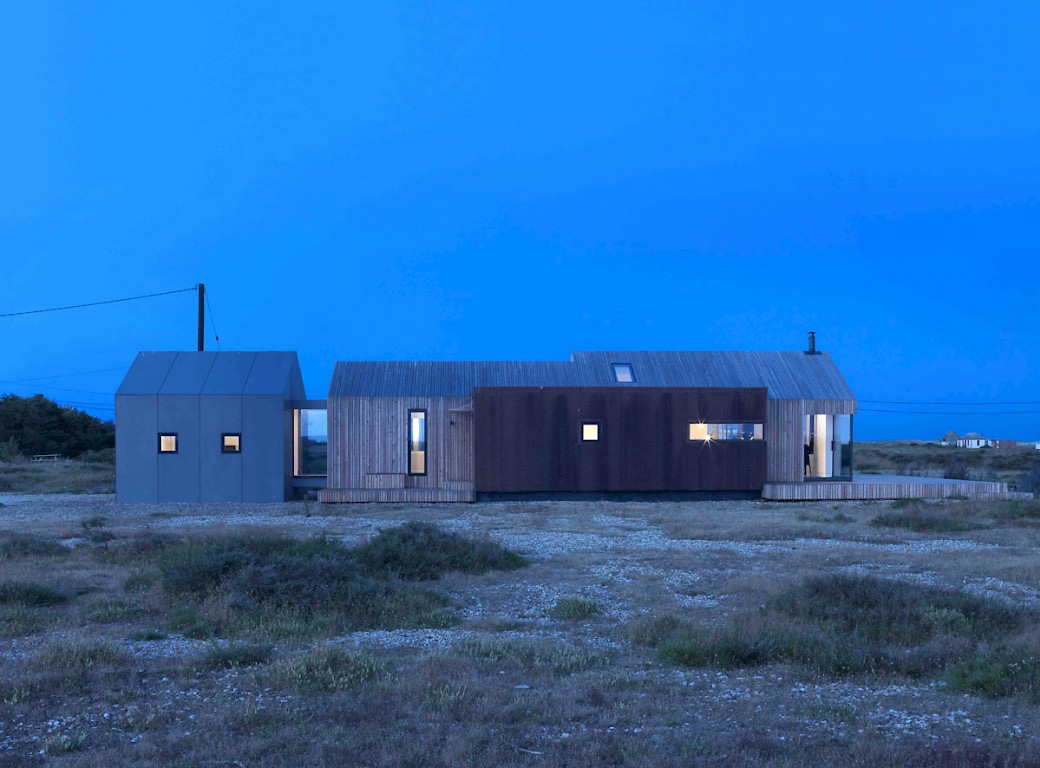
236,655
558,658
576,609
998,673
420,551
330,669
14,545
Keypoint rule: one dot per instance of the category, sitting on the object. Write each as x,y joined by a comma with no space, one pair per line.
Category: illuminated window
231,443
168,442
699,431
623,373
589,431
416,442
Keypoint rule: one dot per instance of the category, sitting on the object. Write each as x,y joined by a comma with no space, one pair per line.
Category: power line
63,375
950,402
98,303
948,413
63,389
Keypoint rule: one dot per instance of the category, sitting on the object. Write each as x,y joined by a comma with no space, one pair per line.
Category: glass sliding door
827,446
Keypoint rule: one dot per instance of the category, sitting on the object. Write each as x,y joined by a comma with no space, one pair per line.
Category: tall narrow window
168,442
416,442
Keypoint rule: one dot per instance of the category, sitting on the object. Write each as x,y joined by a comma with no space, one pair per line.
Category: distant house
950,438
974,440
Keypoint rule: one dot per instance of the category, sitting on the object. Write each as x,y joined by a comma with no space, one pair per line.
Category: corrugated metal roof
787,375
213,373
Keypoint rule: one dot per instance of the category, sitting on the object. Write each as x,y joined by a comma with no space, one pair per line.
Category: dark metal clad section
787,375
147,373
528,440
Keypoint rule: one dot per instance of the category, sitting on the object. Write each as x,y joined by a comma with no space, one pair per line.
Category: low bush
843,625
915,515
270,587
420,551
30,594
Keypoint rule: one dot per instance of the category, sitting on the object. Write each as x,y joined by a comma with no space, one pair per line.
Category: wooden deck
868,487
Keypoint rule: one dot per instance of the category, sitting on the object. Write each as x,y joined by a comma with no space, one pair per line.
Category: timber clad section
528,440
368,450
516,426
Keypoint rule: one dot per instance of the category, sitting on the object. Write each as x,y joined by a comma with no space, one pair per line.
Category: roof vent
812,344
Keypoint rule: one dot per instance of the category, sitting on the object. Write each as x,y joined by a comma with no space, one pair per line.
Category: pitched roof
214,373
787,375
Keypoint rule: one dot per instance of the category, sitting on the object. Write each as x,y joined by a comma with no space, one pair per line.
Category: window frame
176,442
223,444
425,443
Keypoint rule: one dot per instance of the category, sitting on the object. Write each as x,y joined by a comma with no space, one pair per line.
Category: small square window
231,443
589,432
623,373
168,443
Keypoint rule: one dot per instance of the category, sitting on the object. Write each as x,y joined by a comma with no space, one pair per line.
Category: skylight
623,373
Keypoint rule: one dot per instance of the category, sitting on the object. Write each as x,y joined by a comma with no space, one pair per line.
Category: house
974,440
602,423
207,426
950,438
236,426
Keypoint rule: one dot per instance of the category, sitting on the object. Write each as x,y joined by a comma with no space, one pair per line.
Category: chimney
812,343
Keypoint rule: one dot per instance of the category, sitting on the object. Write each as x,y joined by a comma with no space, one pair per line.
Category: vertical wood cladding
528,439
368,448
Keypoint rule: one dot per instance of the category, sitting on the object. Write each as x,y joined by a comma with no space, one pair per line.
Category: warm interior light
699,431
232,443
590,432
168,443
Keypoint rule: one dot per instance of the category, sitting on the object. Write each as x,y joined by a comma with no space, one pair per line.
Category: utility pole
202,315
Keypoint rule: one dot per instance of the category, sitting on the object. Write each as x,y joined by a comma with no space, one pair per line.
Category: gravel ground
704,559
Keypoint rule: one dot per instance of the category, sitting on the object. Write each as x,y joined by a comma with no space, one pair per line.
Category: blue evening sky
504,180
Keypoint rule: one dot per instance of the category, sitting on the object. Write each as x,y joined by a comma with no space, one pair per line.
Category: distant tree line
36,425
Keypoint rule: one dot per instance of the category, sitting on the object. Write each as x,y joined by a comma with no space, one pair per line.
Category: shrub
275,587
420,551
842,625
